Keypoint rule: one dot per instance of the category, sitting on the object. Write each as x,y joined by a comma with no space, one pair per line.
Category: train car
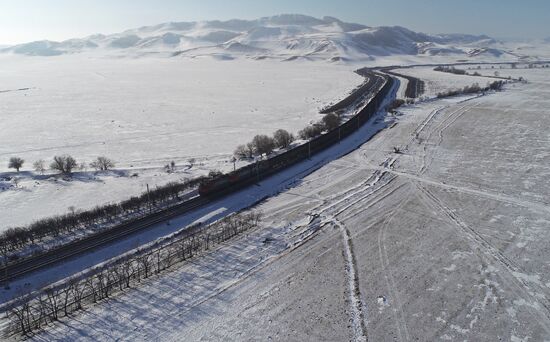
252,173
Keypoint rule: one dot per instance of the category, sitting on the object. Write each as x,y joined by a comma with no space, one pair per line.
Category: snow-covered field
143,113
437,81
449,241
179,91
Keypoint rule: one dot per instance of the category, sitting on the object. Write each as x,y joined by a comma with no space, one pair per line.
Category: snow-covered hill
287,37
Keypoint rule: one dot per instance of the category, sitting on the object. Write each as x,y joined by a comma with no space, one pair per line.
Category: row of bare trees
34,311
13,240
328,122
264,144
451,70
64,164
473,89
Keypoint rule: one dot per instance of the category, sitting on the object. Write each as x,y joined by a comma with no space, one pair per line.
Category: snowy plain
449,242
143,113
471,180
189,91
436,82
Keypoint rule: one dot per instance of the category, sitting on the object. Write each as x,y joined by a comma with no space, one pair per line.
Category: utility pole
257,170
149,199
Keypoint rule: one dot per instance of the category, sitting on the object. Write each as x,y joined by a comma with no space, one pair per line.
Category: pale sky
28,20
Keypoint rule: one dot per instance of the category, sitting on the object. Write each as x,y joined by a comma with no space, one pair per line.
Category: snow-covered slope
287,37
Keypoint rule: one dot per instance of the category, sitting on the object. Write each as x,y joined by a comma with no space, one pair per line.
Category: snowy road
447,241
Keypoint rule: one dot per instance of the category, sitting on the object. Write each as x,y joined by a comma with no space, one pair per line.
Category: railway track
89,243
415,86
54,256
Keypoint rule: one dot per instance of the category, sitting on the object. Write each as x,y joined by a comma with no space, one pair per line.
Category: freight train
253,173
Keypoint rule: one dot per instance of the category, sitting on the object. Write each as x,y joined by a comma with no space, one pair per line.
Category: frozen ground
447,241
143,113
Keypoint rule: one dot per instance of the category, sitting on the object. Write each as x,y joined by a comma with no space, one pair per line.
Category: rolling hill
287,37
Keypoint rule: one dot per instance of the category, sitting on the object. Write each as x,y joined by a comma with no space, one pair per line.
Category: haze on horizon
58,20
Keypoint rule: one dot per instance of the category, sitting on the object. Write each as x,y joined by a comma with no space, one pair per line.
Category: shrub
451,70
395,104
474,88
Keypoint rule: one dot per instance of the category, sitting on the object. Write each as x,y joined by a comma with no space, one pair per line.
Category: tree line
13,240
64,164
453,70
473,89
282,139
32,312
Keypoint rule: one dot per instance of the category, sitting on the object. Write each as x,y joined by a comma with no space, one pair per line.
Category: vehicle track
360,332
398,313
446,123
520,287
529,204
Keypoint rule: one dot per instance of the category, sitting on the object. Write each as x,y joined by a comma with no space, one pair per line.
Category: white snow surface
448,240
143,113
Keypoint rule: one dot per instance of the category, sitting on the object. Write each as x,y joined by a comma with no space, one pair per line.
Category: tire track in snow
517,284
448,121
398,313
356,304
532,205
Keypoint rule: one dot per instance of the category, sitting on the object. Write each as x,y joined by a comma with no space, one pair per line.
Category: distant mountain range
286,37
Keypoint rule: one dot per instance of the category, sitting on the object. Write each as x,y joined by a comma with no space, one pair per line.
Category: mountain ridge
285,36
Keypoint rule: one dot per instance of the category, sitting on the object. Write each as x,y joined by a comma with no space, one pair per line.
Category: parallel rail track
89,243
79,247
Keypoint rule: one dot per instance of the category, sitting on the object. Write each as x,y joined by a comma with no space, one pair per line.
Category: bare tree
250,149
144,264
30,313
20,314
283,138
102,164
77,290
64,164
263,144
243,152
39,166
16,163
58,164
